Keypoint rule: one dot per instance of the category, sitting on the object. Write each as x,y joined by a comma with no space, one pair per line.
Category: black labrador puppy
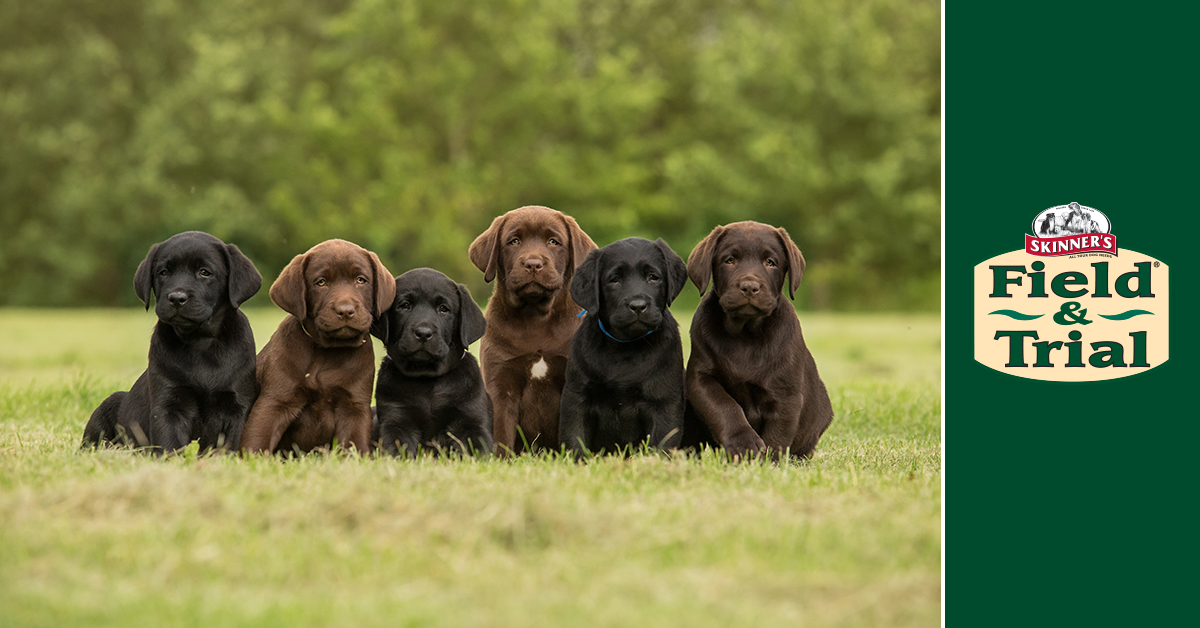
430,392
200,382
624,378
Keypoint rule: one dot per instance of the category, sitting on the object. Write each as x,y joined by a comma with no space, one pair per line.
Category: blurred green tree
407,126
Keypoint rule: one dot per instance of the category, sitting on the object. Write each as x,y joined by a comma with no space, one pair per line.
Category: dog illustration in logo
1079,220
1049,226
1075,221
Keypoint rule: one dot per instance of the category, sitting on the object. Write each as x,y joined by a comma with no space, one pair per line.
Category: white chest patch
539,368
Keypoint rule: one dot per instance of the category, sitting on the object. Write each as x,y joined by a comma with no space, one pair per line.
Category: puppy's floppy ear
675,268
290,290
485,250
795,261
585,285
384,284
579,247
143,279
244,278
700,262
381,328
471,323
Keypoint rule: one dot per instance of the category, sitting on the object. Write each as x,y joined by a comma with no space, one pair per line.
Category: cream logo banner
1071,306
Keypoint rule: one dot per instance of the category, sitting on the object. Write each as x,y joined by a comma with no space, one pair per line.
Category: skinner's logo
1071,306
1070,229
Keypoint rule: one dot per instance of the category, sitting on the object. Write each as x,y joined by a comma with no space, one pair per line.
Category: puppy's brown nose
533,264
749,287
345,310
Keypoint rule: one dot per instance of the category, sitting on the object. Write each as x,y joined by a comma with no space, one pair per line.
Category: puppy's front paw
745,444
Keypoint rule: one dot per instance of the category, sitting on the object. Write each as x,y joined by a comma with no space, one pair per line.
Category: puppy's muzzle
640,311
749,288
421,343
342,325
748,296
534,265
346,312
636,317
178,309
534,275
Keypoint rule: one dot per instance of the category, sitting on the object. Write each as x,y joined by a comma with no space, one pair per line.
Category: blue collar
601,323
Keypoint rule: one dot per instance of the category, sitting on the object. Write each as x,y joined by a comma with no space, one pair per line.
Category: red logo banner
1069,245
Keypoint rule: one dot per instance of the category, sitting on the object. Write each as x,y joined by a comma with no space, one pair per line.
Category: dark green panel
1070,503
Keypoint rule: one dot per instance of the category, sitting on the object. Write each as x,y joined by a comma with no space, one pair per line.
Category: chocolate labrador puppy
430,392
199,384
751,381
315,373
532,253
624,380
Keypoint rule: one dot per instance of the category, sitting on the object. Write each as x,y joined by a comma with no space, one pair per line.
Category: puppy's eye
770,263
514,241
729,261
614,280
361,279
162,273
651,277
204,273
321,281
444,309
405,305
554,242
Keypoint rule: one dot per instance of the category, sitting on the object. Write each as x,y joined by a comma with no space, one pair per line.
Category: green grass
850,538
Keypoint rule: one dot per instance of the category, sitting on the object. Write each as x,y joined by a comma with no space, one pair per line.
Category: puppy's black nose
177,298
423,333
638,305
749,287
345,310
533,265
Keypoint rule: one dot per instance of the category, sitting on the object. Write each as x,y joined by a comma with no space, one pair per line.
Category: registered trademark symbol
1156,264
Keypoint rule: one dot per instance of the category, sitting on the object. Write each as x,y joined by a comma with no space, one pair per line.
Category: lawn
849,538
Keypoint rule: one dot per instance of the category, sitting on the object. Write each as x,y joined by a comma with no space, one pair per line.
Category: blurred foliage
406,126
